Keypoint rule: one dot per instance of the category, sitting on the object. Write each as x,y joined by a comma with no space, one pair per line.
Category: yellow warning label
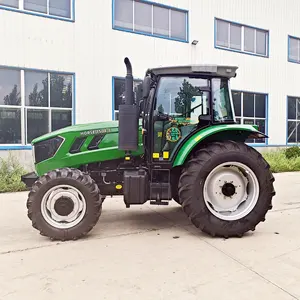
166,155
155,155
198,138
159,134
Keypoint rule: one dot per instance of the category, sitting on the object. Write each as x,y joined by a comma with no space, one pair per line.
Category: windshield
183,97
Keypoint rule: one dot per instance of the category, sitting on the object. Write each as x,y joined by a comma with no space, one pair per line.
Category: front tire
64,204
226,189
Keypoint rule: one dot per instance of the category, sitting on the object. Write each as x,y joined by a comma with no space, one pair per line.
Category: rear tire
64,204
200,200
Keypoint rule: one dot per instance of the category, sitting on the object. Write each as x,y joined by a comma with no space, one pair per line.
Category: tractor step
155,202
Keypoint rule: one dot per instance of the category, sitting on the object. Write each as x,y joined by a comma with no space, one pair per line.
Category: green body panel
108,148
201,135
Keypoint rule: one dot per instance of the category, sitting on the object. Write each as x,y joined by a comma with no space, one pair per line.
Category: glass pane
292,108
137,91
10,125
222,109
291,132
60,8
142,17
260,106
222,33
37,123
298,109
161,20
261,127
124,13
36,89
294,49
298,132
61,90
249,122
235,37
261,42
177,96
36,5
178,24
10,84
249,39
238,121
236,96
10,3
60,119
248,103
119,91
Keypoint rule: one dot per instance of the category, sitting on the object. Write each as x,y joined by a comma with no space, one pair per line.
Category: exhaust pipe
128,115
128,83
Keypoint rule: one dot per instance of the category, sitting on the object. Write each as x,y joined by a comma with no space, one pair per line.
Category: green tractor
179,141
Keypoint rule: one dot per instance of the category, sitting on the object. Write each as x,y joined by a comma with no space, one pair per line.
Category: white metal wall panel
95,52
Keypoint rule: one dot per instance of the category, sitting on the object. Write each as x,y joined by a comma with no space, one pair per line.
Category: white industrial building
61,61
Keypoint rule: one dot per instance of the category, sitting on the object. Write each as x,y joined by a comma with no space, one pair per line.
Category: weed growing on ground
10,175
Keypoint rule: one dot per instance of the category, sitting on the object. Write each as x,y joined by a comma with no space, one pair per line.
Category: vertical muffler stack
128,115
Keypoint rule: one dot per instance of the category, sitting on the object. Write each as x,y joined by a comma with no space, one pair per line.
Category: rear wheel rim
231,191
63,206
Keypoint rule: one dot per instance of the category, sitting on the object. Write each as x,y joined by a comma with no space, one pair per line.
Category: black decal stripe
94,144
75,148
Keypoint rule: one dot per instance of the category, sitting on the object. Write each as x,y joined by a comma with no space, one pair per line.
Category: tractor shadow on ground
139,219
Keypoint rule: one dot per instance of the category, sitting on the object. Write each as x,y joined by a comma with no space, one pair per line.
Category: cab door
179,104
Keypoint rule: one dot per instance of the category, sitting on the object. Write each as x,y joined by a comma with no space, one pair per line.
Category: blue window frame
293,120
294,49
54,9
118,93
241,38
251,108
151,19
32,103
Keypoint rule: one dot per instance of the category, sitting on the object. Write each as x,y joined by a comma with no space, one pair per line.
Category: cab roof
211,70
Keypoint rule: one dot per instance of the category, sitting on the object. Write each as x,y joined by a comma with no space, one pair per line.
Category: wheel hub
228,189
64,206
231,190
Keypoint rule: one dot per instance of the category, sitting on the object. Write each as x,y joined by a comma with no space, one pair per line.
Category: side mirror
146,87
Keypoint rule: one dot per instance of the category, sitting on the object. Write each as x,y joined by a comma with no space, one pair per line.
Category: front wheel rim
63,206
231,191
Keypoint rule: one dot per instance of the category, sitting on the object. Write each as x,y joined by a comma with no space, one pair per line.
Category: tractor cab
179,101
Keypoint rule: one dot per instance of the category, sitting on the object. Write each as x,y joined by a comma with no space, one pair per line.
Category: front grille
46,149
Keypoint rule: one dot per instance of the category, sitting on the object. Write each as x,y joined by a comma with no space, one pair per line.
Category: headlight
47,149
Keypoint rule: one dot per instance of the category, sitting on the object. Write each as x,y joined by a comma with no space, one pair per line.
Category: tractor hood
78,145
82,130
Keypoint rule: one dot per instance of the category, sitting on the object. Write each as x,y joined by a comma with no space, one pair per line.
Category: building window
251,109
33,103
293,121
241,38
294,49
119,93
152,19
56,8
10,3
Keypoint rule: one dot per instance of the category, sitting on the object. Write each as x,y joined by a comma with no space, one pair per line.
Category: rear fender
236,132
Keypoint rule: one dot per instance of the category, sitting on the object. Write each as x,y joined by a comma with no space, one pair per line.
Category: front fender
235,132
